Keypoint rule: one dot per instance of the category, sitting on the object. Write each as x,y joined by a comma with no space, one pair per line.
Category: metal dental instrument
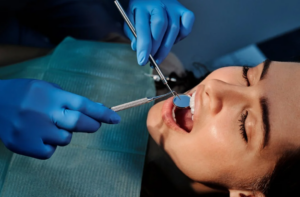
138,102
150,56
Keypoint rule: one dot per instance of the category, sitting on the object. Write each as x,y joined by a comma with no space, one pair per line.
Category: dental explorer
138,102
120,8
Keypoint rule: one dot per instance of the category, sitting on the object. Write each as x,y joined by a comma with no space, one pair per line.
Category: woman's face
243,121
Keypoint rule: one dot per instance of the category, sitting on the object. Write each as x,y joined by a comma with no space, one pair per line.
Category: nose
221,94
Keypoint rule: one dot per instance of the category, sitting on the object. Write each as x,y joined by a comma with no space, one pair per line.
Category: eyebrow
267,63
266,122
265,107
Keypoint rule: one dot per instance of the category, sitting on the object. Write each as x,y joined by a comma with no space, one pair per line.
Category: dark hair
285,179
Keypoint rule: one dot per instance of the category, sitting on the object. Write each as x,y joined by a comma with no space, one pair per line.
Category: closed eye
242,126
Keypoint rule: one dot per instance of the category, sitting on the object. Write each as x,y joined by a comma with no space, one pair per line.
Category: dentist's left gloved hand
159,25
37,116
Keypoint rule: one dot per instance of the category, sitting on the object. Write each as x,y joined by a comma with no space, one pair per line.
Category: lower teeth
173,113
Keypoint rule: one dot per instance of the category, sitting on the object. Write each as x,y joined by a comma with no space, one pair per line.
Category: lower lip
168,117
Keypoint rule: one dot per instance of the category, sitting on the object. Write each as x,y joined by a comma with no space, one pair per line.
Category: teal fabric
106,163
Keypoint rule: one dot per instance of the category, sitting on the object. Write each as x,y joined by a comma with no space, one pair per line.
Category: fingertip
48,151
115,118
100,124
187,21
158,61
151,65
133,44
108,116
66,138
93,127
142,60
188,16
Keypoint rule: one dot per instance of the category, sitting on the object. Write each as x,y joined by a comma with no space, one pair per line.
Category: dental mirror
183,102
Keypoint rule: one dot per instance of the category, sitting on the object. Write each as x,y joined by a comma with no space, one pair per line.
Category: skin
214,152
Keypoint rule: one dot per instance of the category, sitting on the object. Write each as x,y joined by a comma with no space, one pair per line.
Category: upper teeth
173,113
192,104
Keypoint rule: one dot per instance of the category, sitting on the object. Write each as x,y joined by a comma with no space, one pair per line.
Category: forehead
281,86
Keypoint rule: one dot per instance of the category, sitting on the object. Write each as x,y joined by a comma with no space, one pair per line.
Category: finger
92,109
187,22
33,147
133,44
159,24
169,39
129,34
44,152
144,40
58,137
75,121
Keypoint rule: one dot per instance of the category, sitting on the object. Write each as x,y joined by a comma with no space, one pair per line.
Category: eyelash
244,116
242,126
245,71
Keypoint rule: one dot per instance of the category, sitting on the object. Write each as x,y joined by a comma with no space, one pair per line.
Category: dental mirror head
182,102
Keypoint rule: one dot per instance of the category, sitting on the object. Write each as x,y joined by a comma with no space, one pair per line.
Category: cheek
215,138
200,154
215,132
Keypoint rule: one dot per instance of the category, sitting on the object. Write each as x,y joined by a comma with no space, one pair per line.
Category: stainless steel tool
138,102
151,59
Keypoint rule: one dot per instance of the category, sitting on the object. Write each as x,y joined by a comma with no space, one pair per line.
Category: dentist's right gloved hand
159,25
36,116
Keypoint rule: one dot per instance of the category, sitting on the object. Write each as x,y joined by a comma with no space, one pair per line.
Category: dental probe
150,56
138,102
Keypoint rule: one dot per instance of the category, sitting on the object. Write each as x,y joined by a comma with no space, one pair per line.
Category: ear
245,193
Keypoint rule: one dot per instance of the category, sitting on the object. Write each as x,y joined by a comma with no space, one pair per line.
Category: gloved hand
36,116
159,24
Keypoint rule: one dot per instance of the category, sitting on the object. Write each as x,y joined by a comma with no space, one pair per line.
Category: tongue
184,119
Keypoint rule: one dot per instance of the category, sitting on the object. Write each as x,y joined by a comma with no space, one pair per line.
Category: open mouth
184,117
177,119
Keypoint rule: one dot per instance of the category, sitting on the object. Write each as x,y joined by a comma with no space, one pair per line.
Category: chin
155,122
168,135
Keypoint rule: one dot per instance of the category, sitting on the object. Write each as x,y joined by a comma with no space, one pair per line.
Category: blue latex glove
159,24
36,116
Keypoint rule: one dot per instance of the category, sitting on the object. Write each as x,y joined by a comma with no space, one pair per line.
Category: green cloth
106,163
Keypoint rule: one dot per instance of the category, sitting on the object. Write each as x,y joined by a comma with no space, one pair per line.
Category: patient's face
240,126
